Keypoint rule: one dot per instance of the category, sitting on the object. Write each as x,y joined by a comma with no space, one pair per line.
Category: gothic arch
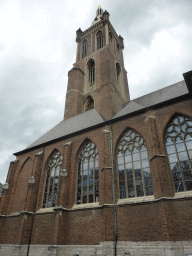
178,142
91,71
118,71
84,48
20,191
99,39
87,185
178,113
89,103
52,171
134,176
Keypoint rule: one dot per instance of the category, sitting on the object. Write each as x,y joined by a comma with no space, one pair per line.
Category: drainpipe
40,169
113,181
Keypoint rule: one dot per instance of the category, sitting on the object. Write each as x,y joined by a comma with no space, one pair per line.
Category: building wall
164,217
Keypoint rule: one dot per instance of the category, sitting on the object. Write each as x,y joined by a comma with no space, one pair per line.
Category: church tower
98,79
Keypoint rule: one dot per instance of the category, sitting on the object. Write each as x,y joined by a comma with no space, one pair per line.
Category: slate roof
154,98
92,117
69,126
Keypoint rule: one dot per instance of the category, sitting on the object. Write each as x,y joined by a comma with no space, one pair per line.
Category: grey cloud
32,89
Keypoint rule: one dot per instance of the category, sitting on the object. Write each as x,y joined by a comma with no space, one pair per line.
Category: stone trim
5,186
45,210
14,161
86,206
157,248
135,200
32,180
74,91
67,144
106,167
63,173
156,156
39,153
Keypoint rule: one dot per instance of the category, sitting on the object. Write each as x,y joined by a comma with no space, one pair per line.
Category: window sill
85,206
135,200
45,210
183,194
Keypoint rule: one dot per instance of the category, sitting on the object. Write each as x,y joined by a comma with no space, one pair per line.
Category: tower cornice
99,25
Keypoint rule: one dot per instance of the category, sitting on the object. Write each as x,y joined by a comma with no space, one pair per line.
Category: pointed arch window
133,166
178,137
52,180
110,37
91,67
88,174
84,48
89,103
118,70
99,39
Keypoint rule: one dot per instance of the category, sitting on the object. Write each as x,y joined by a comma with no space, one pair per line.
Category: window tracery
88,174
52,180
99,40
133,166
179,149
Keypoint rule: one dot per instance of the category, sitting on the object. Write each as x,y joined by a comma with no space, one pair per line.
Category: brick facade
164,217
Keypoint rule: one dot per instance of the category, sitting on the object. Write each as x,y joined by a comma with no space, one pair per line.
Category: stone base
13,250
103,249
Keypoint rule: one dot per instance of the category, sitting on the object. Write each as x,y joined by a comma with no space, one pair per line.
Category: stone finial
99,15
121,40
105,15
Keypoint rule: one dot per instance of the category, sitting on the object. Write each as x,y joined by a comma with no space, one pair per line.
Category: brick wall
157,220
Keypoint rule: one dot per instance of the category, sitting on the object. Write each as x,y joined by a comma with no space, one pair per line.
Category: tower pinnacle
99,14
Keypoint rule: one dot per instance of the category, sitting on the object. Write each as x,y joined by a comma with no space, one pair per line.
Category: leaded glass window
88,174
179,149
52,180
133,166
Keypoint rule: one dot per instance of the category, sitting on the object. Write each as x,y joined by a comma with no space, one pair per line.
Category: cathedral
114,177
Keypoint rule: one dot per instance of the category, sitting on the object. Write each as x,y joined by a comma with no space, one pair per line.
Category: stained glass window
133,166
52,180
179,150
88,174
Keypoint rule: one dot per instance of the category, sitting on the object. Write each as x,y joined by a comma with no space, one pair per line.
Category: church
114,177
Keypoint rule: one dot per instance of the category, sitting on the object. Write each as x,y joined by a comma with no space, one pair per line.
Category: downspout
113,181
40,169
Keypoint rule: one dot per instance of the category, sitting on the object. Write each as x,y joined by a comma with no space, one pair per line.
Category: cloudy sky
38,48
